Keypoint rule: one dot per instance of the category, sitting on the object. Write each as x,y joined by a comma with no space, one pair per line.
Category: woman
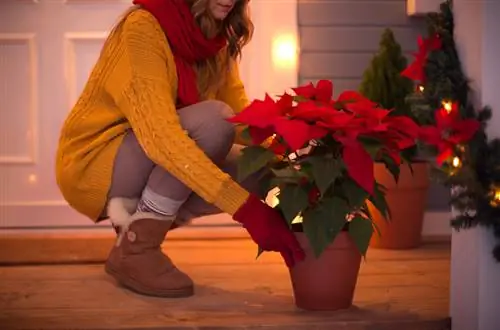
148,144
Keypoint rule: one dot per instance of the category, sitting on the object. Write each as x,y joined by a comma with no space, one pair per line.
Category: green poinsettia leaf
325,171
391,166
378,200
361,231
288,174
245,134
253,159
323,223
285,172
354,193
407,161
292,200
371,145
280,181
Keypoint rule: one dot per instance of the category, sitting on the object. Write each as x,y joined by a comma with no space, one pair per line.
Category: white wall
475,292
272,19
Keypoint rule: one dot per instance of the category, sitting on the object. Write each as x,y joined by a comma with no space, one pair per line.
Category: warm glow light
448,106
285,51
273,201
32,178
495,196
456,162
421,88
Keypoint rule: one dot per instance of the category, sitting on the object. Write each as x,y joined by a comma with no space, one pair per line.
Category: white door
47,48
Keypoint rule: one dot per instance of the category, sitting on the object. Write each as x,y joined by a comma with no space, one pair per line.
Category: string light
456,162
421,88
495,196
448,106
455,166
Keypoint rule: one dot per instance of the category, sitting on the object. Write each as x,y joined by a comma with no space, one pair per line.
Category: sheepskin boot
136,261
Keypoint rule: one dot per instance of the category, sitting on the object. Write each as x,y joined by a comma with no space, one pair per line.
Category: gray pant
205,123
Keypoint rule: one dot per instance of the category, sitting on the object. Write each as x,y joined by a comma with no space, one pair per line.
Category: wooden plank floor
397,290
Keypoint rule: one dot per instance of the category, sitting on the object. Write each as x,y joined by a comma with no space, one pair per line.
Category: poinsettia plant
449,131
321,158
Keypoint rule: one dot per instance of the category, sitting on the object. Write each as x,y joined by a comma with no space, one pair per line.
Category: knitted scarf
188,43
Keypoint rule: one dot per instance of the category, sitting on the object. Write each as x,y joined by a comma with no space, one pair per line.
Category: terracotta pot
327,282
407,201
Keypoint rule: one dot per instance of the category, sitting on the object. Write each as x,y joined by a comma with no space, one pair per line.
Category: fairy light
456,162
421,88
448,106
495,196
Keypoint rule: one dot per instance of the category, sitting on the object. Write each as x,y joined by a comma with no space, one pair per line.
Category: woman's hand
269,230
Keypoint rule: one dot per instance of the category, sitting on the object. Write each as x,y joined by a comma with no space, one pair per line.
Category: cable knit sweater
134,84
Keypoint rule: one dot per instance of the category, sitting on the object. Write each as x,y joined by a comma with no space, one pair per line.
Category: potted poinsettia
320,168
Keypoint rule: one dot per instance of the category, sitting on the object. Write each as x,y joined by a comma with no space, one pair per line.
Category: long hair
237,28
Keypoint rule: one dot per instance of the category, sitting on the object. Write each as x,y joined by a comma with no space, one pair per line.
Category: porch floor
397,290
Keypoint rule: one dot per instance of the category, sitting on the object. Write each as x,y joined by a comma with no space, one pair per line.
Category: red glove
269,230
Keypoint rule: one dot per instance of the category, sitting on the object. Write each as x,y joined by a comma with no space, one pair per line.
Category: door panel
47,49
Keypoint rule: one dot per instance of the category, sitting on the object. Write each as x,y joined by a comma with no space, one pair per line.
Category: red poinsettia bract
401,133
317,115
449,131
359,117
322,92
415,71
268,117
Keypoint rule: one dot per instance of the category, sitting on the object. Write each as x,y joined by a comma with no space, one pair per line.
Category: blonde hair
237,28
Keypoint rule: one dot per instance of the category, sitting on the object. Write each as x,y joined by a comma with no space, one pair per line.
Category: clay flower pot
406,200
327,282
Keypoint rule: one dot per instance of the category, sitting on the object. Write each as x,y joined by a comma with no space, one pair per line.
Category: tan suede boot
138,263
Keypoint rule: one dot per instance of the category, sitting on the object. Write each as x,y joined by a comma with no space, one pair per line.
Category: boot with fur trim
130,205
136,261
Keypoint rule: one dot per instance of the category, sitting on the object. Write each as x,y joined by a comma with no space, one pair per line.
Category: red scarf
188,43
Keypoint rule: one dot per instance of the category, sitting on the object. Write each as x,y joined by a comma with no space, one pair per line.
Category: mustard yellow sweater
134,85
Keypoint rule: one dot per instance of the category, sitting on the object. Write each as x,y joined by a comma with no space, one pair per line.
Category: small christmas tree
382,81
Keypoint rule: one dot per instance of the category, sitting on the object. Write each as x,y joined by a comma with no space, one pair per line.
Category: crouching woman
148,146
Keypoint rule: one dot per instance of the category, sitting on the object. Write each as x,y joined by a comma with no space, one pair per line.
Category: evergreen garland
473,172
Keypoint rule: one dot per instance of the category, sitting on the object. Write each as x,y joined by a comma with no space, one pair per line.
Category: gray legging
136,176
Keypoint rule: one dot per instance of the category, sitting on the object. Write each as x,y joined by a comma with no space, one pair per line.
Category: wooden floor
397,290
